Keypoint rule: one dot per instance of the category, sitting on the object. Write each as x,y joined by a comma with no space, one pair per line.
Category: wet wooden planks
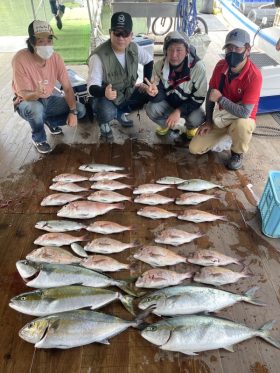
129,352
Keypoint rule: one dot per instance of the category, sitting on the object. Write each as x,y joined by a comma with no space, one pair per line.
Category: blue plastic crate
269,205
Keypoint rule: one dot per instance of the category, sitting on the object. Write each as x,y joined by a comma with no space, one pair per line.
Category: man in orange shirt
36,69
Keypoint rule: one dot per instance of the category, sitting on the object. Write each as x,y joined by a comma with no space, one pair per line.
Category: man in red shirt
232,100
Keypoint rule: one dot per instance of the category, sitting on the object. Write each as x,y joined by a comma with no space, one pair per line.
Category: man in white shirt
113,67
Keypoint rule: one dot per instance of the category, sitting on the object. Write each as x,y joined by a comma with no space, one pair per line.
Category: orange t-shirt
27,73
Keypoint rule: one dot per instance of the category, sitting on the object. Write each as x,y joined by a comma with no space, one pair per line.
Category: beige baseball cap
40,29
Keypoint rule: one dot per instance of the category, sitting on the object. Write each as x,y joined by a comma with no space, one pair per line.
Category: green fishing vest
122,80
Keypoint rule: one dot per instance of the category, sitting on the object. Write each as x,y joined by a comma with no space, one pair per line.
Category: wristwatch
73,111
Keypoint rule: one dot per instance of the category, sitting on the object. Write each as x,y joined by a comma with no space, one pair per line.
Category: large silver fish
152,199
103,263
58,239
87,209
218,276
189,299
193,198
52,255
64,187
43,302
199,216
170,180
107,196
74,328
53,275
159,278
69,178
175,237
97,167
106,245
108,227
197,185
59,199
206,257
153,212
158,256
192,334
57,226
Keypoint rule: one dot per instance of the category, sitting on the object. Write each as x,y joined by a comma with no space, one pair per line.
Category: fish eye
30,325
22,298
152,328
147,299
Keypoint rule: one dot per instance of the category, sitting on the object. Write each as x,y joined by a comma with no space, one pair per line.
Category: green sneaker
162,131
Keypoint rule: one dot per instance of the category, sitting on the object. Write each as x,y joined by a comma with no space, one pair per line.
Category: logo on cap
121,19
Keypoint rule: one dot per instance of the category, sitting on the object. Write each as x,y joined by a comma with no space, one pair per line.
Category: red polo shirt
245,88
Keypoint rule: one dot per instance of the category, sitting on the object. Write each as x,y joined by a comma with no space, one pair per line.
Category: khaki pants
240,131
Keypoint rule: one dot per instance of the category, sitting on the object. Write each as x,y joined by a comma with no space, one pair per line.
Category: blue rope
186,16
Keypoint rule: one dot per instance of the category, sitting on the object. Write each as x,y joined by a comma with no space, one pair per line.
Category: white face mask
44,51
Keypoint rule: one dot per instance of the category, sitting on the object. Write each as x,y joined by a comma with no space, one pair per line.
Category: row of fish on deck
65,283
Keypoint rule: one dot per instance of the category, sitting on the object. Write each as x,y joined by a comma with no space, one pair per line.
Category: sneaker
174,135
190,133
58,22
235,161
162,131
124,121
42,147
106,131
54,130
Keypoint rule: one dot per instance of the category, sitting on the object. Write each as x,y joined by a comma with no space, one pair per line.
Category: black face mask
234,59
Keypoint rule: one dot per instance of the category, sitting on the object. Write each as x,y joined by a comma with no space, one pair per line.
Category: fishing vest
122,80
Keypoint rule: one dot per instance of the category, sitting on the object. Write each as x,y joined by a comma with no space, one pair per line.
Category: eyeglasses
121,34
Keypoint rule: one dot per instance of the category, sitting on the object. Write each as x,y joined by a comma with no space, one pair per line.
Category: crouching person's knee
81,108
195,118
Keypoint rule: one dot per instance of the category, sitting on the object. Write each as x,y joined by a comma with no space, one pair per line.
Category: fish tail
264,334
85,237
224,218
249,297
119,206
246,272
127,302
139,320
127,289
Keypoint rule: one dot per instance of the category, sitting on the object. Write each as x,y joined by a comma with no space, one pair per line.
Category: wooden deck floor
24,180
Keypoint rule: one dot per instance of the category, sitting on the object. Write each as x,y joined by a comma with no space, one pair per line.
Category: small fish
198,216
107,176
170,180
87,209
158,256
160,278
69,178
109,185
59,199
95,167
59,225
218,276
150,188
155,213
103,263
193,198
78,249
152,199
107,196
205,257
52,255
196,185
107,245
58,239
62,186
108,227
175,237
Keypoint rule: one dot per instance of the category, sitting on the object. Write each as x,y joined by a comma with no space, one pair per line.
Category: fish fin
186,352
119,206
127,302
263,333
229,348
249,294
127,289
104,342
85,237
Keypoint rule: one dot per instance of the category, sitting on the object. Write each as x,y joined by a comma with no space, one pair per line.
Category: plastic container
145,43
269,206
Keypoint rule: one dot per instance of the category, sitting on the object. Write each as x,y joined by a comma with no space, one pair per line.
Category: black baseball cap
121,21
